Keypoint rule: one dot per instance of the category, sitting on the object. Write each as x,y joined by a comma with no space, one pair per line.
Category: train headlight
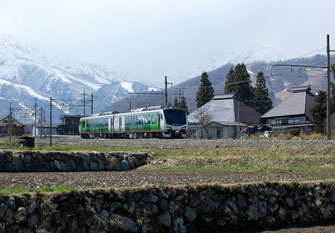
169,128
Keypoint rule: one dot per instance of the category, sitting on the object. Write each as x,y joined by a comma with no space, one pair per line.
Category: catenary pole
84,104
91,104
166,95
50,128
41,125
10,121
328,89
35,125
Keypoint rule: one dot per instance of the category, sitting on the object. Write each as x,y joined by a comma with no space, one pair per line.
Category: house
222,117
70,125
17,127
293,113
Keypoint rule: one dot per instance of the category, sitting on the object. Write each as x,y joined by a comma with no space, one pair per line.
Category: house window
285,121
273,122
302,120
291,121
296,120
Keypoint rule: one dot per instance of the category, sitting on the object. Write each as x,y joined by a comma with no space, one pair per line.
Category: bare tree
204,117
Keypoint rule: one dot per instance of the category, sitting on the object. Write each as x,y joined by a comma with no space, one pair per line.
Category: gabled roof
13,120
225,108
297,103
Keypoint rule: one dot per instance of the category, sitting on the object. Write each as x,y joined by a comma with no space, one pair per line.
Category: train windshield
175,116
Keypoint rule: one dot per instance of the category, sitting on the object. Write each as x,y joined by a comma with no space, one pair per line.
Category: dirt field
141,177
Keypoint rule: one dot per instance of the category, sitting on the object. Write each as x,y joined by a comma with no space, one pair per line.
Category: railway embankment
199,208
35,161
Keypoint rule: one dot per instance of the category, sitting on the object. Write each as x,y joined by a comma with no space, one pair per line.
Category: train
152,122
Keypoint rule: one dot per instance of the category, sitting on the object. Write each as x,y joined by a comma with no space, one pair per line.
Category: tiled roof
298,103
225,108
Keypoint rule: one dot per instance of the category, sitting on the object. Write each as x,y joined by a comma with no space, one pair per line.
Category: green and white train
156,123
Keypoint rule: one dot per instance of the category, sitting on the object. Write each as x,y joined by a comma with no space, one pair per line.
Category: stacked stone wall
30,161
201,208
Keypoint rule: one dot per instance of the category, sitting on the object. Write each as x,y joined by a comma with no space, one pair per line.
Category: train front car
175,123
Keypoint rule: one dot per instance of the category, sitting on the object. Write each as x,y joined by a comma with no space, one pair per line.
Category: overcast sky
179,38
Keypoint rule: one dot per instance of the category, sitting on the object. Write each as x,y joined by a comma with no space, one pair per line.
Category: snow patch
128,86
27,89
153,89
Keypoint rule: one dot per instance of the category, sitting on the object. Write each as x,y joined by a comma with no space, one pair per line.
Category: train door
121,124
110,125
160,121
116,125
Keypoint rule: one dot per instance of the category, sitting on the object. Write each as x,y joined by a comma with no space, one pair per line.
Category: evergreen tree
176,103
183,104
238,83
206,91
262,101
319,111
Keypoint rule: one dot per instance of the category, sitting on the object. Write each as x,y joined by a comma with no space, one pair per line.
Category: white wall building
222,117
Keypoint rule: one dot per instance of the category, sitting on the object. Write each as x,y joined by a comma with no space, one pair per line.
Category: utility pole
238,119
50,128
10,121
84,104
328,90
91,104
41,125
35,118
166,93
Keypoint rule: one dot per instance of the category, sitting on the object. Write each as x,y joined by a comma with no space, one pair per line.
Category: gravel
181,143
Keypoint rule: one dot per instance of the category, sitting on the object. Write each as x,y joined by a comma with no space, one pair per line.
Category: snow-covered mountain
27,73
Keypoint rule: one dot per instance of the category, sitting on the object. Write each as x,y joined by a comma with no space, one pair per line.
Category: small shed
7,122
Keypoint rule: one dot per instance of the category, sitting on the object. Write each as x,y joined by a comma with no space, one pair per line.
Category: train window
154,119
145,119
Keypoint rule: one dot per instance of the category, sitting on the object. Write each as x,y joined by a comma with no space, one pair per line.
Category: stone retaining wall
202,208
29,161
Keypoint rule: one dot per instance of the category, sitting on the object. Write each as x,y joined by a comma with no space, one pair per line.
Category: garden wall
201,208
29,161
